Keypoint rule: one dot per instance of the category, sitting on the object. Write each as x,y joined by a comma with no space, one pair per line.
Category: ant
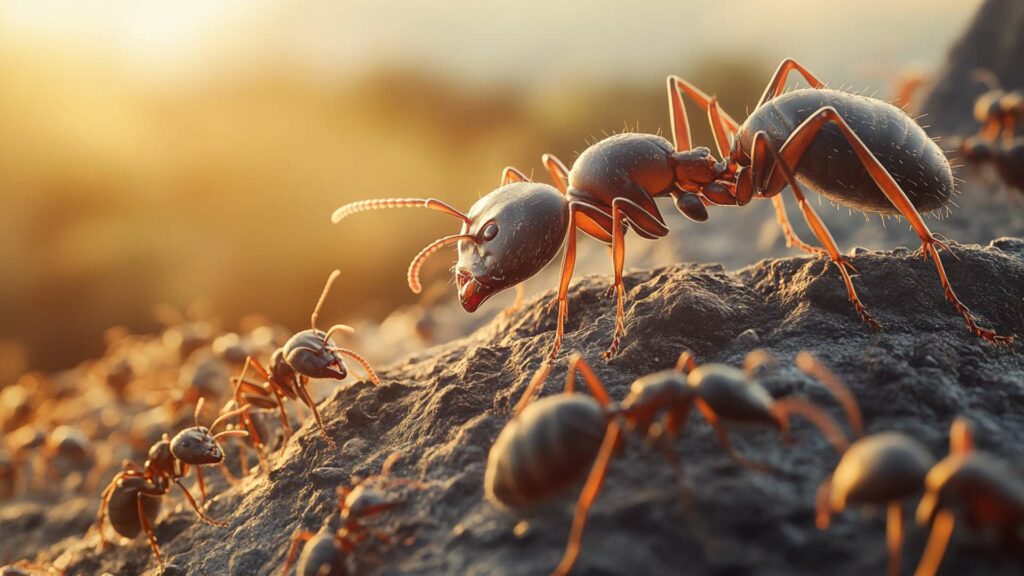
324,553
132,498
872,157
881,469
307,354
986,489
549,444
998,112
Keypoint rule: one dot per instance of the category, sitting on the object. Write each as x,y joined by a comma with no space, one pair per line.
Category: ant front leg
791,154
568,264
300,386
624,208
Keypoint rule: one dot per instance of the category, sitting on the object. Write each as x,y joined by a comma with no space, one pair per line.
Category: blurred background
192,151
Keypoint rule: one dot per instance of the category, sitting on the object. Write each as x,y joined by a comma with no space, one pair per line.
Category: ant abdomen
544,450
322,557
123,506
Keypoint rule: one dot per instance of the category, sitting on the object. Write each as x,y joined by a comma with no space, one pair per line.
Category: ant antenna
338,328
323,296
199,408
413,275
381,203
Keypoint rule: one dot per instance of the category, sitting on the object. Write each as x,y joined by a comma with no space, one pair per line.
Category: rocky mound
443,407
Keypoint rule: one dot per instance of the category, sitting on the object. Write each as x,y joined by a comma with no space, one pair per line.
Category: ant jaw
472,292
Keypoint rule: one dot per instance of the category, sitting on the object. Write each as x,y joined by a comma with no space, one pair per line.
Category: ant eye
490,231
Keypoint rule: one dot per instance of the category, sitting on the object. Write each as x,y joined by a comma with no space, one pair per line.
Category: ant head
311,353
196,445
511,234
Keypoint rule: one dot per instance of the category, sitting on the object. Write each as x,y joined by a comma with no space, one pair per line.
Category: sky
531,42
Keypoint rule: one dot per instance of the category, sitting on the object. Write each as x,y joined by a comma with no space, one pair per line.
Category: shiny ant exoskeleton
871,156
551,443
132,499
307,354
324,552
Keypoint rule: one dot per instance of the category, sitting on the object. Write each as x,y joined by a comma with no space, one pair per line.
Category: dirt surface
443,407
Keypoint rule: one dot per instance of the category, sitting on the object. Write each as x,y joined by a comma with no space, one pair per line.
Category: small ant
132,498
324,552
877,470
307,354
872,157
988,491
549,444
999,112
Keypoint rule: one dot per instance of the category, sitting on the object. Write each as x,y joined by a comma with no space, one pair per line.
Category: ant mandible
307,354
872,157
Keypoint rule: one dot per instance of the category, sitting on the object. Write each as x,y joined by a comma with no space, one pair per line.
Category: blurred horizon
159,152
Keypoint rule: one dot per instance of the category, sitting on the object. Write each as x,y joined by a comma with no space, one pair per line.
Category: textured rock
443,407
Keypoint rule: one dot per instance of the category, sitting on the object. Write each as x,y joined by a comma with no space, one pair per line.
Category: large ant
324,553
307,354
132,499
871,156
550,443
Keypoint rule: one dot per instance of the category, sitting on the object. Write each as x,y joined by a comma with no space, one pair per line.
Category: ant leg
559,173
894,536
723,439
778,81
785,408
794,149
814,368
590,491
104,501
792,240
822,504
144,520
961,437
511,175
718,129
299,538
577,363
678,87
642,220
618,260
820,230
531,389
300,387
201,481
942,529
199,512
568,263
